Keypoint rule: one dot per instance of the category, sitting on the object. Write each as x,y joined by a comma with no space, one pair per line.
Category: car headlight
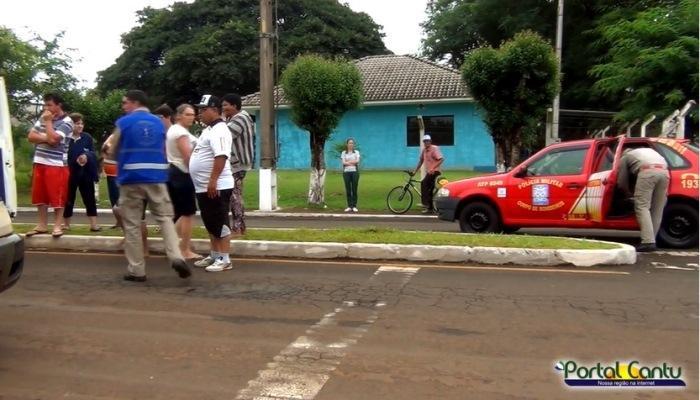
443,192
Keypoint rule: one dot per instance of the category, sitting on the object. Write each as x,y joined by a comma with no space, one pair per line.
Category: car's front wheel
679,227
479,217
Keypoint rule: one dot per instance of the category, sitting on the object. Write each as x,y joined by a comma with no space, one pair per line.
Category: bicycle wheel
399,200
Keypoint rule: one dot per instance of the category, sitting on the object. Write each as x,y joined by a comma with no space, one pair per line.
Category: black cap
209,100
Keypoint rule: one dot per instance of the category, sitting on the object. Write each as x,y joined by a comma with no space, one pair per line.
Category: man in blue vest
142,171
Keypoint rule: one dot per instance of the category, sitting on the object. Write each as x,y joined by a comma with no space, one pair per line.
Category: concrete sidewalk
623,255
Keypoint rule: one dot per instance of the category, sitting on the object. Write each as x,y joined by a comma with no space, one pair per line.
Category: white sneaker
204,262
354,209
348,209
219,265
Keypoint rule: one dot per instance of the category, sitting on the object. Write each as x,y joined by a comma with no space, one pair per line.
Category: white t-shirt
345,157
215,141
175,132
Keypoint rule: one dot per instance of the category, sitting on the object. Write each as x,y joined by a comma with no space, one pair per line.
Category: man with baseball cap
432,157
213,182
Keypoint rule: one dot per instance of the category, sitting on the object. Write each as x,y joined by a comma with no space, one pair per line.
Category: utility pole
268,175
553,135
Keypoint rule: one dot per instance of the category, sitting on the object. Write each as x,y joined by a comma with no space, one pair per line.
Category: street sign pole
553,135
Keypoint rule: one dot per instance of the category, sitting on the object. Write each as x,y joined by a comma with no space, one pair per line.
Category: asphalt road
269,329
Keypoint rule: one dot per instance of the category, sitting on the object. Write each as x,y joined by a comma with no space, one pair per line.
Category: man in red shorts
50,136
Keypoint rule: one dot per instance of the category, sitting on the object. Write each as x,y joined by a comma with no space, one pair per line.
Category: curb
624,255
278,214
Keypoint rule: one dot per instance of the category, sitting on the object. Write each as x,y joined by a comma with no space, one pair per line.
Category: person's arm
36,137
53,137
437,166
623,178
90,145
87,150
420,162
235,127
440,159
185,148
219,164
113,140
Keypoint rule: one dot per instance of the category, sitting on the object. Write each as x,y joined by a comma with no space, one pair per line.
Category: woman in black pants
83,173
351,160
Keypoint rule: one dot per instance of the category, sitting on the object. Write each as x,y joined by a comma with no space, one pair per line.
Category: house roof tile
388,78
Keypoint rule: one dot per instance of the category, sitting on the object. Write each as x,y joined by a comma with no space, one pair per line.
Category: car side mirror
520,172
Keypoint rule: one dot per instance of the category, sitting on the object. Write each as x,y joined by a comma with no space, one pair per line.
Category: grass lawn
292,187
375,235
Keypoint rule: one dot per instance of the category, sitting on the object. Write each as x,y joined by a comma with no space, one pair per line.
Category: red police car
572,185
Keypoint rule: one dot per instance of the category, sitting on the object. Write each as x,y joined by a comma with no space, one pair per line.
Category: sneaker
183,270
204,262
354,209
134,278
646,247
348,209
219,265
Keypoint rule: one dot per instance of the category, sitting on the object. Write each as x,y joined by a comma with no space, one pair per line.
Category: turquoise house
398,89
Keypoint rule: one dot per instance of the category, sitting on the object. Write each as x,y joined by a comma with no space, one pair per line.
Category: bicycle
400,198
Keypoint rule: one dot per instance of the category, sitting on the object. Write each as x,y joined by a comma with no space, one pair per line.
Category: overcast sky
94,27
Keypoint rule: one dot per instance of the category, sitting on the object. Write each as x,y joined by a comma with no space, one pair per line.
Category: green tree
455,27
652,59
100,112
513,85
320,91
211,46
31,68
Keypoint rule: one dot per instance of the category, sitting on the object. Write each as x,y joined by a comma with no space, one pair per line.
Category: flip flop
57,234
35,232
96,229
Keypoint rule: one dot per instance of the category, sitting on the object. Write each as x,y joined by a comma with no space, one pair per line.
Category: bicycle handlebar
409,172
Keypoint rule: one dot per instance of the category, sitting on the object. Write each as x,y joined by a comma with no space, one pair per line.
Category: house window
439,127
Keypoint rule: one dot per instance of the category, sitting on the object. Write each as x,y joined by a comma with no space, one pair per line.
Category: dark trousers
427,186
351,178
113,189
79,181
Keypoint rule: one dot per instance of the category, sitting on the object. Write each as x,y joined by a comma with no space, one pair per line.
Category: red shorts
50,185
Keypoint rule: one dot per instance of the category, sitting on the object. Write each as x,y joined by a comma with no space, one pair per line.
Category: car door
600,187
545,189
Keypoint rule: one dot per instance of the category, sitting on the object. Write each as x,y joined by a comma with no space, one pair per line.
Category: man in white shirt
213,183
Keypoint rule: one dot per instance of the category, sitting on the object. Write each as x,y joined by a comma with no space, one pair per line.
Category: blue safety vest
142,157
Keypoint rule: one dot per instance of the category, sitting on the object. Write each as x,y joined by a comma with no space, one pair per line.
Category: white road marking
301,369
678,253
660,265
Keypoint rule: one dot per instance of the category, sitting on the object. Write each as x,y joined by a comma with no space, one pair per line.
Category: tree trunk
317,178
516,143
500,153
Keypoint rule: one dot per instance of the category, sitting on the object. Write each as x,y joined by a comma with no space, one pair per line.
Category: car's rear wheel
479,217
679,227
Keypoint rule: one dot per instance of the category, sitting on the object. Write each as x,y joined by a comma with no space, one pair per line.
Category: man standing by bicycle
432,157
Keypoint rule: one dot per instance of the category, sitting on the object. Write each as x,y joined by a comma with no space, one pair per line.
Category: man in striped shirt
242,128
50,136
